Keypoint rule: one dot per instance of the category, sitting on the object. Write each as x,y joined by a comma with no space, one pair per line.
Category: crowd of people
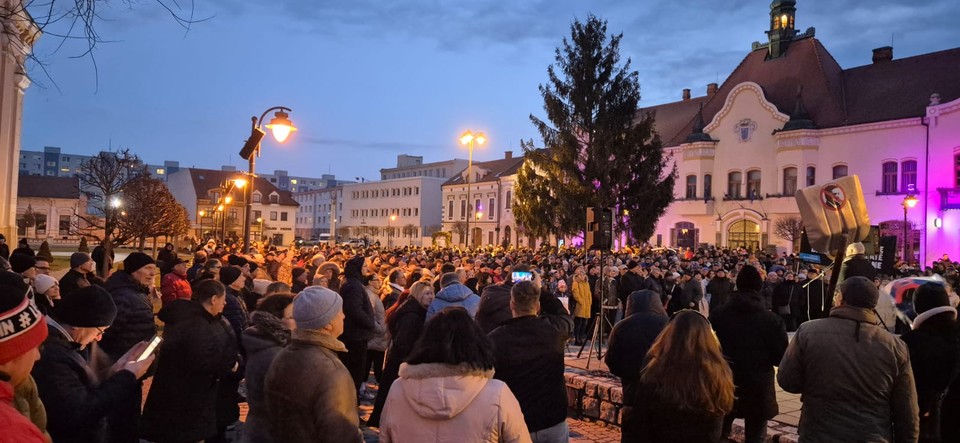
464,345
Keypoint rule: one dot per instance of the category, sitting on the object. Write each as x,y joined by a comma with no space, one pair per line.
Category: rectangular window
508,200
734,180
908,183
491,208
256,197
416,212
64,225
463,209
811,175
707,186
839,171
283,216
956,170
450,203
257,214
41,224
789,181
273,215
889,183
753,184
691,187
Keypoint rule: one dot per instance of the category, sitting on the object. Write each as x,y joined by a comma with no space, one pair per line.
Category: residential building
316,214
51,205
789,116
413,166
51,162
484,204
286,182
395,212
205,190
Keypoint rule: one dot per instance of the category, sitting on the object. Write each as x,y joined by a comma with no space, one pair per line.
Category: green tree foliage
597,150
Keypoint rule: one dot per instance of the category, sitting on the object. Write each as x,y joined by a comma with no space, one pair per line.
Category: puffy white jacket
451,403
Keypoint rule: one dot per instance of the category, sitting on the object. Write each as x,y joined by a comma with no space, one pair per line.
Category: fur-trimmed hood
440,391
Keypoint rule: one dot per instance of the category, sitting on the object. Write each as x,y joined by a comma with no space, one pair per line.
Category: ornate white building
789,117
489,218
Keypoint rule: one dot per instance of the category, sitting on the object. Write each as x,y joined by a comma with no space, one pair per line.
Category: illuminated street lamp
468,139
201,214
281,127
908,202
393,218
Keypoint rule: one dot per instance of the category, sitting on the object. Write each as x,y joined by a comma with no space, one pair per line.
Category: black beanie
749,279
930,295
859,292
229,274
78,259
135,261
21,262
90,307
296,272
236,260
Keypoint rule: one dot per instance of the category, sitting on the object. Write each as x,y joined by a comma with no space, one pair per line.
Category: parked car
354,243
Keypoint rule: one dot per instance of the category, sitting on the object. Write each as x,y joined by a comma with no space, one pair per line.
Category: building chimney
507,154
686,94
711,88
883,54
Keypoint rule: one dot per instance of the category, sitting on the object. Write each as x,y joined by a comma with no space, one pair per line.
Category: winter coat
651,283
236,314
73,280
134,322
391,297
436,402
935,360
649,418
454,295
404,328
174,287
581,293
263,340
494,307
529,352
77,404
719,290
632,337
753,340
359,324
672,293
786,294
855,378
26,399
16,427
629,283
309,392
5,251
198,349
858,266
379,340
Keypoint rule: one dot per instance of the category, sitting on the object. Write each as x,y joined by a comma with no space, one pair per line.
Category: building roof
496,169
207,179
48,187
832,96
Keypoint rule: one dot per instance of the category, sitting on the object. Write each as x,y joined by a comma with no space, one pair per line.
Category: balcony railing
949,198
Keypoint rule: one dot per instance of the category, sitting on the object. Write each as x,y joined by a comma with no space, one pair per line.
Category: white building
407,208
489,219
315,215
200,190
54,203
789,117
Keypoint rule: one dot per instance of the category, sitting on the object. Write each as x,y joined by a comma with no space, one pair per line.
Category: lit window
293,181
161,171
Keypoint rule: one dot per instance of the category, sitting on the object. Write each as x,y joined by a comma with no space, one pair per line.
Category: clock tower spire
782,30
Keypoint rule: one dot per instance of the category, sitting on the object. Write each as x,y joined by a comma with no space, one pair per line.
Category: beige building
488,211
51,204
17,42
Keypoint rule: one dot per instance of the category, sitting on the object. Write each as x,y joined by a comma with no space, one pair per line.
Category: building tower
782,31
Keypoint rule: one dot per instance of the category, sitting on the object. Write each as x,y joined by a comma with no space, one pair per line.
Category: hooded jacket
263,340
174,287
855,377
454,295
359,324
632,337
436,402
198,349
134,322
934,351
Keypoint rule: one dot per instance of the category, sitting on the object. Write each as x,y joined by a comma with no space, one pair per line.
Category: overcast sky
370,79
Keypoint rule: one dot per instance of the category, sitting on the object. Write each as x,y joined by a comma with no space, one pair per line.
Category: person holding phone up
76,397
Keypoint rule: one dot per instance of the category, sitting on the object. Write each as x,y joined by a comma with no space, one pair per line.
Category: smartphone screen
521,276
150,348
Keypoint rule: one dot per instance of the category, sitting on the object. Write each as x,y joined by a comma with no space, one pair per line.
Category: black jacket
935,359
73,280
858,266
405,327
632,337
529,353
719,290
358,325
263,340
629,282
197,350
494,306
134,322
77,404
753,341
236,314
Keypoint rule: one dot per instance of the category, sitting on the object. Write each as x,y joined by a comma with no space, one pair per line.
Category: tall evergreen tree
597,149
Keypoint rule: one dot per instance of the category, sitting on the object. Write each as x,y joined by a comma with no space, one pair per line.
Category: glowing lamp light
480,138
393,218
281,126
228,199
202,213
910,201
938,223
115,202
479,215
240,182
259,219
220,208
466,138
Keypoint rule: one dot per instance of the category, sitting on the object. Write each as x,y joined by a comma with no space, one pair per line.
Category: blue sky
370,79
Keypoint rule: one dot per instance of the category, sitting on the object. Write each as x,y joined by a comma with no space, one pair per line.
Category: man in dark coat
495,302
24,248
719,288
77,403
529,351
4,248
816,299
753,340
166,257
82,273
359,326
632,337
630,282
787,301
671,290
856,264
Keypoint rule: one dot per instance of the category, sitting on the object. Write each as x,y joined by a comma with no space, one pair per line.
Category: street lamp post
908,202
468,139
281,127
393,218
201,214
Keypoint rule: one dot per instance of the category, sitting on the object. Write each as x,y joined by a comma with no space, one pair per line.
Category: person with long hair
685,388
271,325
446,390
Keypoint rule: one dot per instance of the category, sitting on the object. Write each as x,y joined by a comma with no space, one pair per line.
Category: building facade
480,213
413,166
286,182
396,212
217,210
47,209
317,213
789,117
51,162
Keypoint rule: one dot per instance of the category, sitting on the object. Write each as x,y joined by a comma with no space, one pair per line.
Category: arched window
753,183
839,171
707,186
789,181
691,187
734,180
811,175
908,182
889,183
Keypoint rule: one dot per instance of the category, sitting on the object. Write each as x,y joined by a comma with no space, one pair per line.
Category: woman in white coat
446,391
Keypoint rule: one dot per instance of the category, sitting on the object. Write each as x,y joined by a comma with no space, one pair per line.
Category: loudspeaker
251,145
599,230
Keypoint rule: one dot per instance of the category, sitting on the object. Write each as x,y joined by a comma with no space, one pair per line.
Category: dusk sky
370,79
